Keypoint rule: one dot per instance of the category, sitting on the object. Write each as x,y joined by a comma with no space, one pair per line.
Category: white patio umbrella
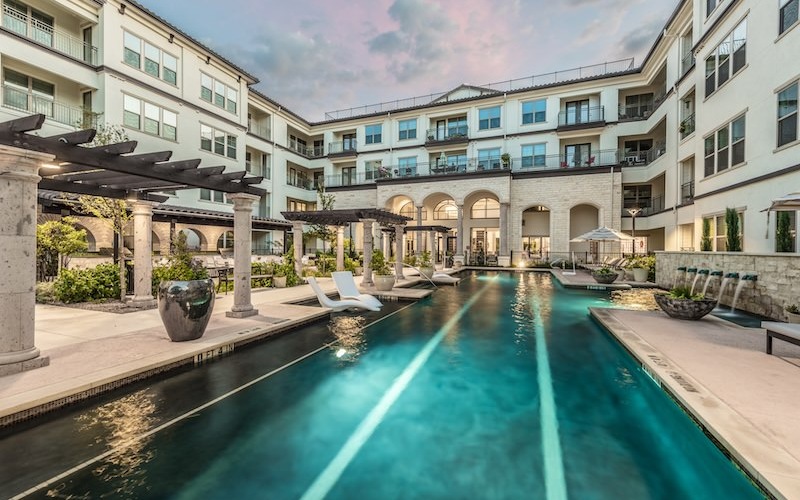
787,202
602,234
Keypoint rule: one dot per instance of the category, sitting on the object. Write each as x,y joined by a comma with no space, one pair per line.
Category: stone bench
788,332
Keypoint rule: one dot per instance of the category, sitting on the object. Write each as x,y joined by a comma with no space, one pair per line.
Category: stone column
398,252
504,259
242,248
432,246
143,253
18,173
340,248
458,258
367,280
297,242
418,234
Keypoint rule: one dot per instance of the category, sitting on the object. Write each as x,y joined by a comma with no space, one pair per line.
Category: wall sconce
121,9
208,59
239,78
171,38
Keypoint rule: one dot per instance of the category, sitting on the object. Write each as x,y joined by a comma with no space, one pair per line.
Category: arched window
409,210
486,208
446,210
225,240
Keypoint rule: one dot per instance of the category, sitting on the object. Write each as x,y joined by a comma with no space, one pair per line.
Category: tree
113,212
321,231
783,233
732,230
705,241
56,241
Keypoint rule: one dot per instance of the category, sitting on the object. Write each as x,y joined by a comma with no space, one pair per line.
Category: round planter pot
279,281
640,274
605,278
185,308
684,308
383,282
792,317
426,271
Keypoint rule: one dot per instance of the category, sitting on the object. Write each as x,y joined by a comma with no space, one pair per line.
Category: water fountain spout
729,277
680,276
701,272
711,276
747,278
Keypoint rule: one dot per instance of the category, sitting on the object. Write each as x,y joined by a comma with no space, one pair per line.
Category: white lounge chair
346,285
444,279
338,305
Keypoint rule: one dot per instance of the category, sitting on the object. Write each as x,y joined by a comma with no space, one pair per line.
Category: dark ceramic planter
185,308
605,278
684,308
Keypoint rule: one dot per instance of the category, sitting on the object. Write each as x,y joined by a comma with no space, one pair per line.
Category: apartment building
708,121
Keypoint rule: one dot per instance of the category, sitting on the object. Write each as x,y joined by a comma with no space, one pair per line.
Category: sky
316,56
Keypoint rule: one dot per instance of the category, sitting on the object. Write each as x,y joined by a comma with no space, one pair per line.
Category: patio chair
346,285
444,279
337,305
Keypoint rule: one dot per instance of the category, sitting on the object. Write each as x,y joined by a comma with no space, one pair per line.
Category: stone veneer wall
778,282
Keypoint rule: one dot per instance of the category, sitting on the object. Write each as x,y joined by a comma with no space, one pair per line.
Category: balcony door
577,112
349,142
576,155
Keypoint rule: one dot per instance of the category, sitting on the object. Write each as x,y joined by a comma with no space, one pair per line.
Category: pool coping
768,464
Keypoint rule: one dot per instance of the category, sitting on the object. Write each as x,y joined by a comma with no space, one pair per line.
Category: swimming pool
501,387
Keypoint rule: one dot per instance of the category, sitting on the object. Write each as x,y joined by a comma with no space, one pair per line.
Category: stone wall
778,282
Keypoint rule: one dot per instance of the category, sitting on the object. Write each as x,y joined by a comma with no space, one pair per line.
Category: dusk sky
315,56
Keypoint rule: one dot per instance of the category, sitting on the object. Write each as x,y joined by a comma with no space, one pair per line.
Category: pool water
502,387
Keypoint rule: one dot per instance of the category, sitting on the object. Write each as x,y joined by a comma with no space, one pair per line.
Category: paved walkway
717,370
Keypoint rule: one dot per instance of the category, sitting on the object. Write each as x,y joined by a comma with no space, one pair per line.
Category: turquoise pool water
501,387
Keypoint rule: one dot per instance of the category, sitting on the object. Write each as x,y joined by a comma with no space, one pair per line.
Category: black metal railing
34,29
647,207
687,62
307,184
447,133
581,116
687,192
686,127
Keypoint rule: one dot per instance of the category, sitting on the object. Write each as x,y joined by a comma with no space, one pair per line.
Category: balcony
261,130
46,34
449,135
561,161
307,151
307,184
585,117
687,63
356,179
648,206
258,170
640,158
687,192
686,127
343,148
58,112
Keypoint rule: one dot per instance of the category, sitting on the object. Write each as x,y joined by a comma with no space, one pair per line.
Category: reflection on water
119,424
349,332
637,299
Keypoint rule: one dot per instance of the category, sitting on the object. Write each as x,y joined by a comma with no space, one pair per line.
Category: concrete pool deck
717,370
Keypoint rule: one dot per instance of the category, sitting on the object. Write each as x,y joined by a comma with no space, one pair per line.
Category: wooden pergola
341,218
66,163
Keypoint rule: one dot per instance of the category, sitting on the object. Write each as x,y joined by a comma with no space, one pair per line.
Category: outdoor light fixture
634,212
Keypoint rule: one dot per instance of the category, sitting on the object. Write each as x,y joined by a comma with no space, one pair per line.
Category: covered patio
29,162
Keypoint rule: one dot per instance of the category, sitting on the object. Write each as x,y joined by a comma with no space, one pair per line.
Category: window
215,196
637,196
534,155
39,26
788,14
409,210
373,133
485,208
488,159
298,205
489,118
725,147
408,129
156,62
218,94
149,118
349,142
786,231
787,114
407,166
711,5
374,170
534,111
446,210
26,93
349,176
217,141
638,106
726,59
719,231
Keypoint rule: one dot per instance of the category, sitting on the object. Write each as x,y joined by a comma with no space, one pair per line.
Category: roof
343,217
110,171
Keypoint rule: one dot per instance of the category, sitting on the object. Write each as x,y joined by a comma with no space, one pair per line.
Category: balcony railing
649,206
686,127
23,24
583,116
635,112
258,170
561,161
307,151
645,157
687,63
307,184
343,147
687,192
58,112
260,130
447,134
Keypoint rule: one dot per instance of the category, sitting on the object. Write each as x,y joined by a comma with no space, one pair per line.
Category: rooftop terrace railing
25,25
556,77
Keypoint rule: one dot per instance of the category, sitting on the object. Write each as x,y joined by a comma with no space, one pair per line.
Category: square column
340,248
142,253
432,246
418,235
242,248
297,243
398,252
367,280
504,259
19,174
458,258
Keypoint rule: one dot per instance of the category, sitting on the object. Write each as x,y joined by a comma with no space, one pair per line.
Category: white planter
279,281
640,274
383,282
426,271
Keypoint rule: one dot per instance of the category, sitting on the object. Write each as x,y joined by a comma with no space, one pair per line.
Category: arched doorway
536,233
582,219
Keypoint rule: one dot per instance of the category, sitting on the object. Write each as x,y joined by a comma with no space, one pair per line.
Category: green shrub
83,285
45,292
684,292
181,266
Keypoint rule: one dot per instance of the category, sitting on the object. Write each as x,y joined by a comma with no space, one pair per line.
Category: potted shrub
426,264
506,159
792,313
279,276
382,275
680,303
640,268
605,275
